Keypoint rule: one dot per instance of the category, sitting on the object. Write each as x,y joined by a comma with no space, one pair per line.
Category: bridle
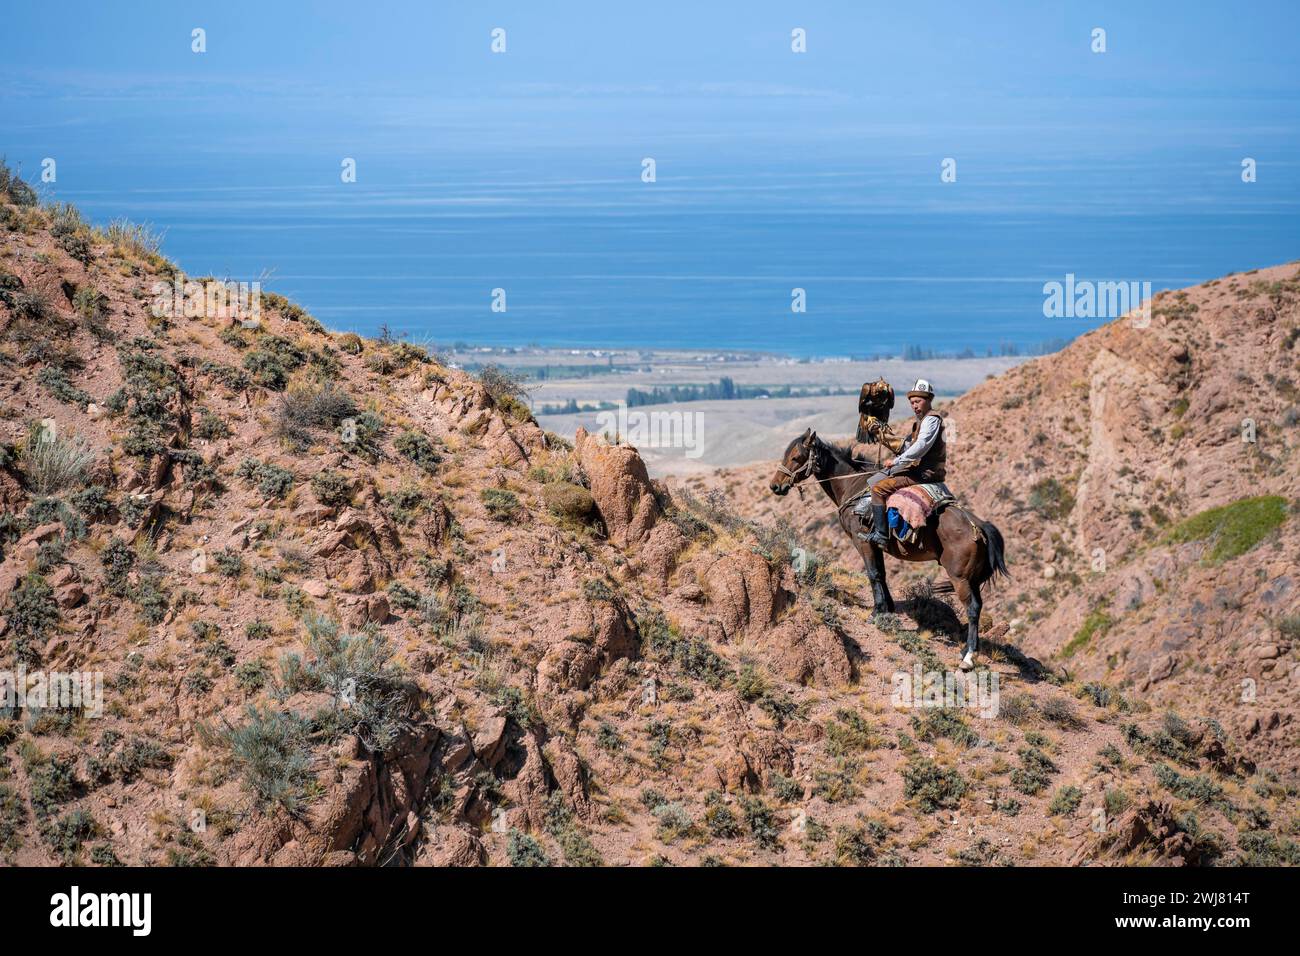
809,466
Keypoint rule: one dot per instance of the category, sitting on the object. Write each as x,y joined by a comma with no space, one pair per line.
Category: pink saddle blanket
916,504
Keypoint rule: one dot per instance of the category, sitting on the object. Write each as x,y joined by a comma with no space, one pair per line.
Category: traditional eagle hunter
903,508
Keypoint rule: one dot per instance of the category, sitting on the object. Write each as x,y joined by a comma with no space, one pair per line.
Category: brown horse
969,549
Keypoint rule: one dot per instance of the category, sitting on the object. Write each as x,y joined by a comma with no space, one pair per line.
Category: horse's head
799,461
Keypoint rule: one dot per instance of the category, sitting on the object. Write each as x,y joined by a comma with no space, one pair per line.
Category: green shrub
933,787
211,427
272,754
858,847
406,504
577,848
849,734
55,381
126,760
13,819
1232,529
750,683
266,370
419,449
332,488
674,821
938,723
1050,499
31,611
1032,776
229,562
608,737
402,597
507,391
760,821
598,590
118,559
271,480
718,818
251,676
70,832
1065,801
1196,787
567,500
523,850
15,189
367,436
52,464
501,504
373,697
53,780
92,501
227,375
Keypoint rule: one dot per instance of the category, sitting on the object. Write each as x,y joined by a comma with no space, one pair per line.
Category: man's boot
879,527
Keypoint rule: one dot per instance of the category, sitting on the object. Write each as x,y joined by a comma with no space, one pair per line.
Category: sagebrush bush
14,188
211,427
266,370
419,449
307,408
331,488
139,239
271,752
373,697
507,391
55,381
932,786
501,504
52,464
523,850
271,480
31,611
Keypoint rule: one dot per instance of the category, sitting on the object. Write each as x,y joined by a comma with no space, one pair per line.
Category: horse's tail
995,552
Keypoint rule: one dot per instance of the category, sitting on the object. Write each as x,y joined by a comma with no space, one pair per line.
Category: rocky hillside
352,607
1146,481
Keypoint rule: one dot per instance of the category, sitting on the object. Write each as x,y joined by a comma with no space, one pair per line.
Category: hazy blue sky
236,151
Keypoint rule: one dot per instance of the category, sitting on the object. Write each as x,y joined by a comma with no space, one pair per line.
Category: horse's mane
842,450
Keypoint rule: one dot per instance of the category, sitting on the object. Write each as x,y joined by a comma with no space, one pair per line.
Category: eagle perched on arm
874,404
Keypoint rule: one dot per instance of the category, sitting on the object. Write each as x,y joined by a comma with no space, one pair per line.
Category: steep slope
353,607
1145,479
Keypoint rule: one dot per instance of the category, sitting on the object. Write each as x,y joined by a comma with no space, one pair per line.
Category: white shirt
925,437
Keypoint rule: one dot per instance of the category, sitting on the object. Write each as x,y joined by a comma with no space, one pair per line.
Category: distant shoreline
469,355
728,432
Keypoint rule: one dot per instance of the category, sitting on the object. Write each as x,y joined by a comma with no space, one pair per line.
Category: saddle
911,509
917,504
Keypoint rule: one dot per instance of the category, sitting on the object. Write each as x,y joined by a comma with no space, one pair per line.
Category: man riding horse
922,457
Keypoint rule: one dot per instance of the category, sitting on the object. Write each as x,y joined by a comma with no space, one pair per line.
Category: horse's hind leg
973,607
969,594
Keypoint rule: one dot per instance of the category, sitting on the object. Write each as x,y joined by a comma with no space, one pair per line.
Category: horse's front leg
887,599
879,595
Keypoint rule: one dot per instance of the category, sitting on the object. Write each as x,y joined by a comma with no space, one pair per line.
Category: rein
809,468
